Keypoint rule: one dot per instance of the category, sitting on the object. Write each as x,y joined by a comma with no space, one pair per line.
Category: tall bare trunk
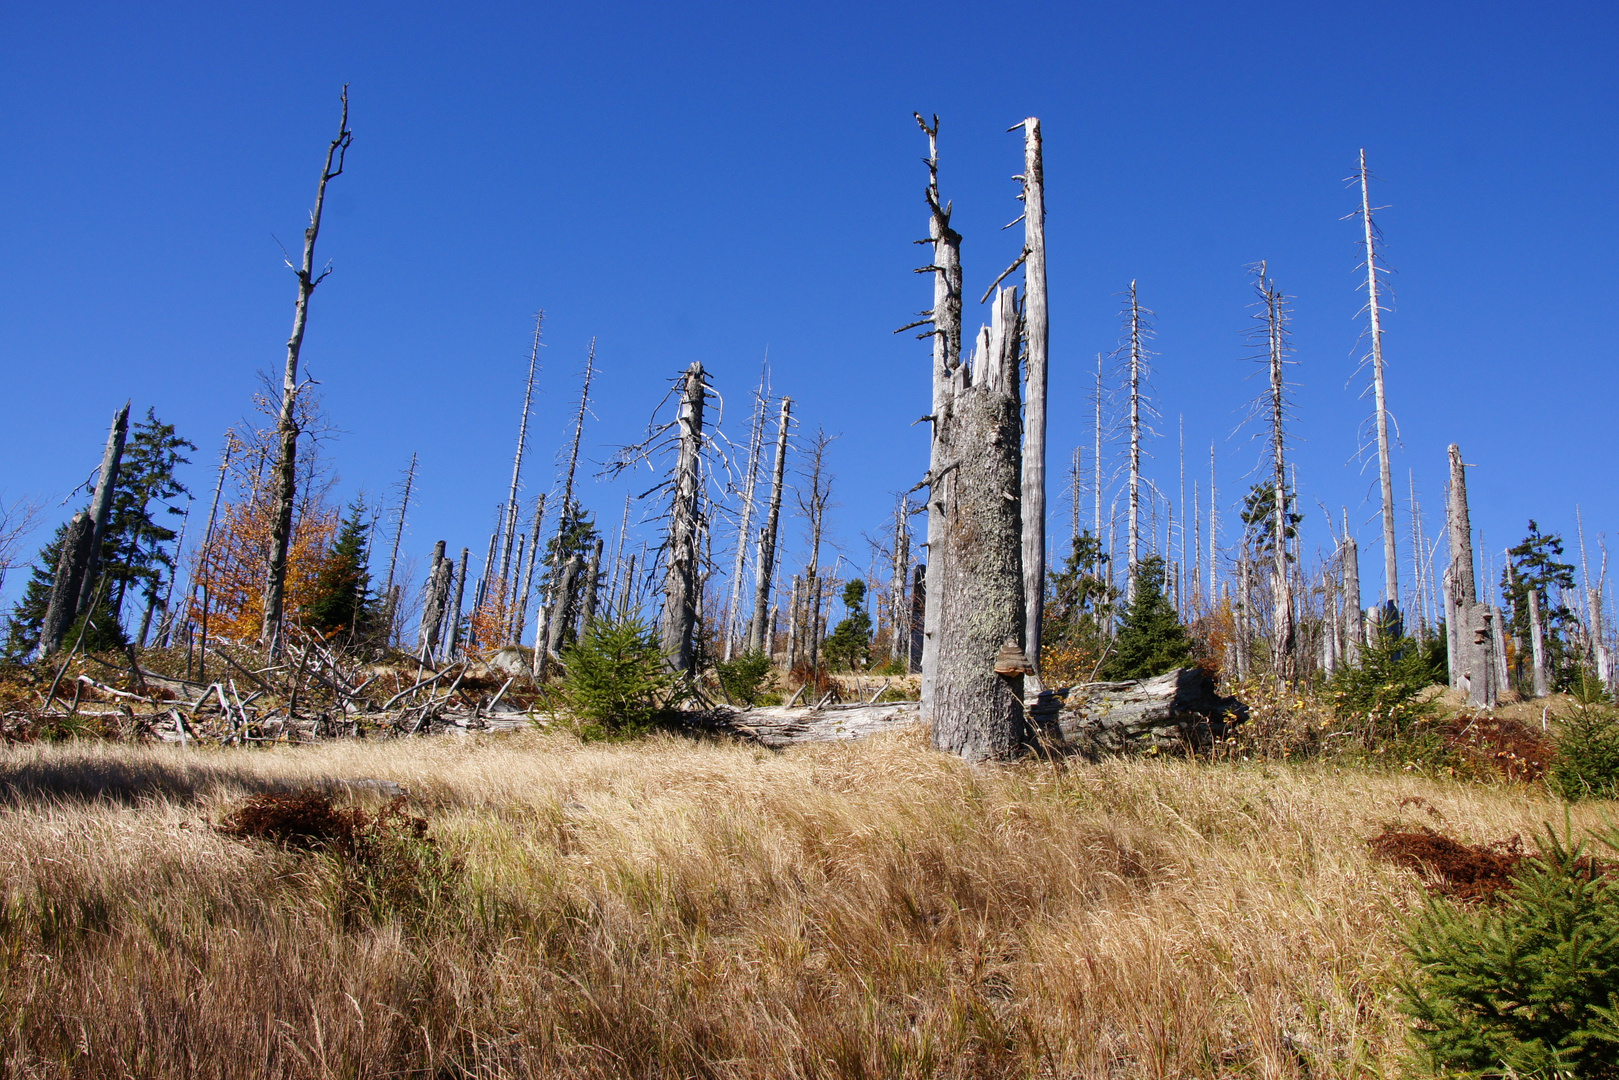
563,604
460,599
899,615
1354,614
1282,630
1137,370
509,513
1037,335
393,555
1476,647
978,711
945,318
764,561
287,423
78,559
1537,642
733,605
678,622
523,586
1374,310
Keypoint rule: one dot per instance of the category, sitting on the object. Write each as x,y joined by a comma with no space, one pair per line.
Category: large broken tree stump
1179,712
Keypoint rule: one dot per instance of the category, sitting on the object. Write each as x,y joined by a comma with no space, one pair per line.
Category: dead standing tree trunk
389,605
1136,356
1354,614
764,563
287,423
676,627
945,318
733,605
1037,335
1374,311
509,513
898,608
1275,316
978,691
1474,638
434,599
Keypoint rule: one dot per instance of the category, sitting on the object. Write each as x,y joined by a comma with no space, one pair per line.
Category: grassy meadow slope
669,908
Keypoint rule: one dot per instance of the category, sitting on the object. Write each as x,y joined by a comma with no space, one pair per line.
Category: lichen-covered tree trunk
978,713
678,622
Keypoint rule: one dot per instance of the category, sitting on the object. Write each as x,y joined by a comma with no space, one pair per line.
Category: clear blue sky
706,181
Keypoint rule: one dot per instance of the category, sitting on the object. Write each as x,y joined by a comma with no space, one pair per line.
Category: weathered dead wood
680,586
977,713
764,562
286,423
509,512
1036,335
1178,711
945,318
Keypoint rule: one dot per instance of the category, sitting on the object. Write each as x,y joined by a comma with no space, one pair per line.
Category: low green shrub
1527,989
1384,700
744,678
1587,761
616,682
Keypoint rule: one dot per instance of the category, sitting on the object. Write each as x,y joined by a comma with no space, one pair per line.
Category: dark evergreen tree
135,553
343,605
1151,638
1535,565
850,642
1079,602
23,625
1259,517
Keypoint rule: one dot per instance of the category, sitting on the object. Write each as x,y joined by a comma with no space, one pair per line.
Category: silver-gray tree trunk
1537,642
1037,335
590,596
945,316
678,622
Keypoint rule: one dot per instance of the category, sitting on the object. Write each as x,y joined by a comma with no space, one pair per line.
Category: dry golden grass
672,909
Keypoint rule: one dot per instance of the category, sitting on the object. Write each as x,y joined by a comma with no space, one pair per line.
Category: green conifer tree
1151,639
850,642
343,604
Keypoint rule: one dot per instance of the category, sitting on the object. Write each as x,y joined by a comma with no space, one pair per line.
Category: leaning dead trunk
899,615
977,710
287,423
63,605
676,628
101,505
919,604
566,593
460,598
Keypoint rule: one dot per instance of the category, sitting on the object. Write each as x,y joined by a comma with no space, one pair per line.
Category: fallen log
1177,712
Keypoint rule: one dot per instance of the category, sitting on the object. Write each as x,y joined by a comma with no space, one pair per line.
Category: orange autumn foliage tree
230,571
487,627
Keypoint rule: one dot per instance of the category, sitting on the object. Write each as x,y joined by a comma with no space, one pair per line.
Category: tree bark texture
680,585
764,562
744,533
978,713
899,615
1537,643
286,424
